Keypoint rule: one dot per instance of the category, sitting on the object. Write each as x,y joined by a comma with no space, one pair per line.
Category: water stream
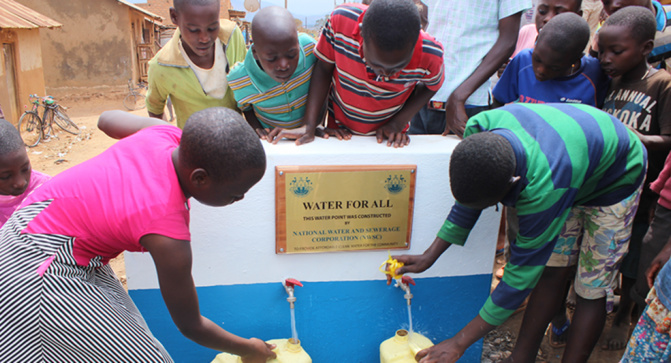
410,318
294,333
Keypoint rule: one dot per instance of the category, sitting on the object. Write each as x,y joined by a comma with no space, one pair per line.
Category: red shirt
359,99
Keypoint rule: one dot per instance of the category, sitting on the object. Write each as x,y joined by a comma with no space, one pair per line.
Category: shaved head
276,47
273,22
639,20
10,139
566,33
220,141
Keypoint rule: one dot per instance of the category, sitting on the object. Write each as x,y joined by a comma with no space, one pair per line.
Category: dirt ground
547,354
56,155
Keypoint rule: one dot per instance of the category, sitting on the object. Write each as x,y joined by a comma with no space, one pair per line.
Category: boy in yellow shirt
193,65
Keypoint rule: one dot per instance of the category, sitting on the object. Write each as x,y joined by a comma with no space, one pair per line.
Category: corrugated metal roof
150,14
15,15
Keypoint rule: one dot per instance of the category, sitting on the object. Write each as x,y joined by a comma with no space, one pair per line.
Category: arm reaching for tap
420,263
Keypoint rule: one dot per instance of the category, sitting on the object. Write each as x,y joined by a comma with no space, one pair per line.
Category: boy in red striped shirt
377,69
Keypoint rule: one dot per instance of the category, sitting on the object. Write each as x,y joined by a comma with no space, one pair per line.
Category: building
21,65
101,45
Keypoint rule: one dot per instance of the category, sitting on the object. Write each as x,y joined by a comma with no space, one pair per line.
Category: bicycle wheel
30,128
48,124
132,101
63,121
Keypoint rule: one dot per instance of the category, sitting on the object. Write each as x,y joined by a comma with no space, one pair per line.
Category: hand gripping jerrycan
402,347
287,352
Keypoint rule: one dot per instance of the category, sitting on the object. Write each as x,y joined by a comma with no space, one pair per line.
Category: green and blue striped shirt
567,155
275,104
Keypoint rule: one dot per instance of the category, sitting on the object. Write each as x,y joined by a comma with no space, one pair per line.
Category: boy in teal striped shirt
568,169
272,83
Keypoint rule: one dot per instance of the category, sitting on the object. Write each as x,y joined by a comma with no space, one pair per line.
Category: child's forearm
208,334
119,124
252,120
320,82
656,142
420,97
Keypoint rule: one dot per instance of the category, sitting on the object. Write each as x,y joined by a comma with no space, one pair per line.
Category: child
545,11
660,56
380,69
191,68
562,166
650,340
17,179
555,70
640,96
133,197
271,84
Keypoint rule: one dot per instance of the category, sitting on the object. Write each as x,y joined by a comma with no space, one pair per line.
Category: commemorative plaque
343,208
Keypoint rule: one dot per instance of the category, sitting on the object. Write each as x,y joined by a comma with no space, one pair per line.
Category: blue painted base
342,321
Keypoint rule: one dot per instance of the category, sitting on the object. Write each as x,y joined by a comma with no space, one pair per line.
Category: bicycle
55,113
30,124
135,99
34,128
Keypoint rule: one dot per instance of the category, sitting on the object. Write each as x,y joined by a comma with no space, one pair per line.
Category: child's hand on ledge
340,133
394,136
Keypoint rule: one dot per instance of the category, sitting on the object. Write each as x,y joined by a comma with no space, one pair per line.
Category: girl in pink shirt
132,197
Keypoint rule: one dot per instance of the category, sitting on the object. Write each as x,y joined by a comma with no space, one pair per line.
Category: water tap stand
404,283
289,287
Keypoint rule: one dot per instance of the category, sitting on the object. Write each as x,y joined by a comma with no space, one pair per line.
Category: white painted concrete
236,244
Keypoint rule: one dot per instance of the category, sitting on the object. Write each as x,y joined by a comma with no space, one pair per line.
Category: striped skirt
53,310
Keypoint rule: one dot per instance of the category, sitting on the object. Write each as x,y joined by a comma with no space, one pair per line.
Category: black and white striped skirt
53,310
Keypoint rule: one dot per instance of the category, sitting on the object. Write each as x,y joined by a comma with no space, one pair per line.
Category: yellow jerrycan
402,347
287,352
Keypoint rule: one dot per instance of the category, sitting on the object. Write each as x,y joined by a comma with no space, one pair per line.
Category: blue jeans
430,121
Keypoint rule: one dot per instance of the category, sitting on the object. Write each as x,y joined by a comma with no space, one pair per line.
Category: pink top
109,202
526,38
662,185
9,203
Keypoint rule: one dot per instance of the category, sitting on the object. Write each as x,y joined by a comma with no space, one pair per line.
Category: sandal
555,333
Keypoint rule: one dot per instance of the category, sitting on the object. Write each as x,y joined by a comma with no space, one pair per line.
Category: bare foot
616,337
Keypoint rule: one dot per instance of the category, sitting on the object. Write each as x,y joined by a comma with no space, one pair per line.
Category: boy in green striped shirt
272,83
574,173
